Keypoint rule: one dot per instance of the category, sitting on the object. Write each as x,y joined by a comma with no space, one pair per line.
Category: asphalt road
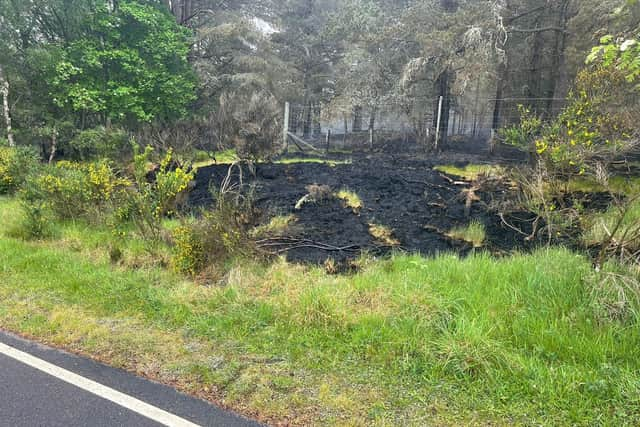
34,391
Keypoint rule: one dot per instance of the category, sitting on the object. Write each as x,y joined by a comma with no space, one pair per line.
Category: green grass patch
351,199
473,233
320,160
470,172
617,184
221,157
598,226
443,341
277,226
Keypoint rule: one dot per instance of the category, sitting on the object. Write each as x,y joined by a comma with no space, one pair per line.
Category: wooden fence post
438,121
328,147
285,132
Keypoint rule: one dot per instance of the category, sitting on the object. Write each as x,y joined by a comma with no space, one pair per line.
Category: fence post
328,140
285,133
438,121
371,138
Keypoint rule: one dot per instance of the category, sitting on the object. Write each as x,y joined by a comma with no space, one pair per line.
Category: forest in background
193,74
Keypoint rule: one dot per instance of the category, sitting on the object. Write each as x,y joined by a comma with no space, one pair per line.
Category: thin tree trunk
346,130
306,127
4,91
54,145
559,60
357,119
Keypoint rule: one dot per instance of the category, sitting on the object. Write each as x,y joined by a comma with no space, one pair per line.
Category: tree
4,92
129,66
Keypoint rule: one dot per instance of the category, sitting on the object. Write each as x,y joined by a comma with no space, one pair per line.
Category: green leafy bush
98,143
217,235
523,134
155,198
16,164
75,190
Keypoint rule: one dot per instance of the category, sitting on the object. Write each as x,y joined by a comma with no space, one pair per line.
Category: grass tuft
383,235
471,172
473,233
277,226
351,199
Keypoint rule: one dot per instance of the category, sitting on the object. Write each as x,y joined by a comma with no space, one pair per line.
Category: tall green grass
407,340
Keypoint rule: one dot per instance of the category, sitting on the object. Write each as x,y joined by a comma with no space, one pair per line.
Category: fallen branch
517,230
286,244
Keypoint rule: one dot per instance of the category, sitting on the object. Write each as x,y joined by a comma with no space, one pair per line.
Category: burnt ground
420,205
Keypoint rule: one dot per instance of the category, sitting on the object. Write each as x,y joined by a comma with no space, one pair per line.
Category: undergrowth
526,339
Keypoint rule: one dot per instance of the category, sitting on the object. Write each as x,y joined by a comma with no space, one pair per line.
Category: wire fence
434,122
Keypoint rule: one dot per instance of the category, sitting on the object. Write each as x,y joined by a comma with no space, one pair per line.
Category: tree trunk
443,89
306,126
357,119
346,131
186,12
317,126
535,74
558,60
4,91
54,145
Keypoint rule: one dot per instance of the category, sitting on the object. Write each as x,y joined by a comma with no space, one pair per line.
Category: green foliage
595,123
76,190
216,236
189,256
92,144
622,53
522,134
16,164
155,198
129,66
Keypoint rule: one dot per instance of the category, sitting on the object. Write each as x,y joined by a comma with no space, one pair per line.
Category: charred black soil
406,197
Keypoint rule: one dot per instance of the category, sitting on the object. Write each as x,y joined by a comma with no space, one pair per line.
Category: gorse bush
522,134
75,190
217,235
16,164
189,255
157,196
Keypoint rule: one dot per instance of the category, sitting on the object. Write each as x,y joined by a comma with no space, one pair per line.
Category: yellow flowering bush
157,197
189,255
15,166
73,190
597,123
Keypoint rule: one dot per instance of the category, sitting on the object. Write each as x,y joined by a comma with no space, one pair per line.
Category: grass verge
407,340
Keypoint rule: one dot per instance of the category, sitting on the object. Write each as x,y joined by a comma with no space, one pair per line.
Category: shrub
16,164
156,198
98,143
189,255
251,122
523,134
74,190
218,235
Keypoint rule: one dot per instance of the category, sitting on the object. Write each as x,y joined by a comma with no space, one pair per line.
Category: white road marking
124,400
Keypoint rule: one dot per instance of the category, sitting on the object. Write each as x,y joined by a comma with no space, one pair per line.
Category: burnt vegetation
284,158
